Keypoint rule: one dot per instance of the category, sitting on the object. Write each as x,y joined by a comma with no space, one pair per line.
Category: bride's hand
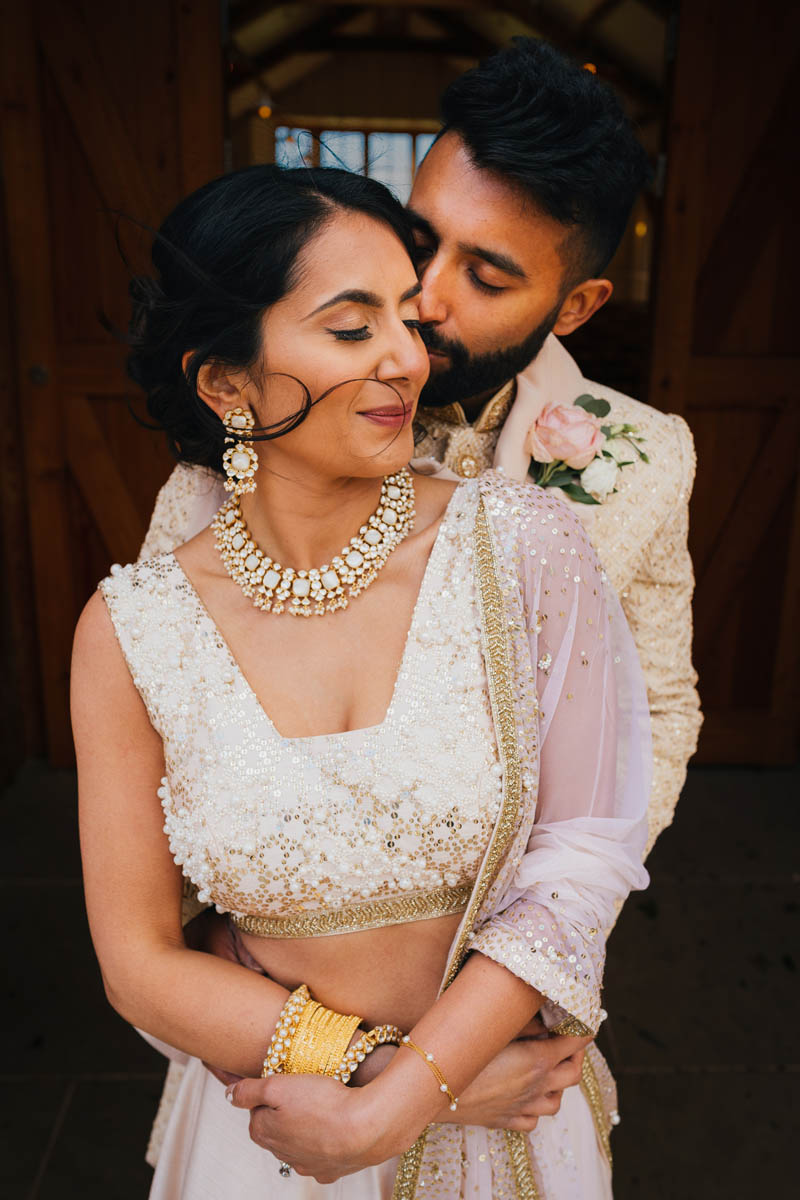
312,1123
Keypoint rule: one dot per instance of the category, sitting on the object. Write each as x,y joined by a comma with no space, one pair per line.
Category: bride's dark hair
224,255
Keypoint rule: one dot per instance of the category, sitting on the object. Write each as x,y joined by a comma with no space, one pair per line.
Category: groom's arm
658,606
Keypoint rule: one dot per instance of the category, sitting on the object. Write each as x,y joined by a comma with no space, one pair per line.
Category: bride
392,726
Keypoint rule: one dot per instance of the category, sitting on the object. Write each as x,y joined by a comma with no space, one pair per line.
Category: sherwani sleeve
657,604
184,505
584,850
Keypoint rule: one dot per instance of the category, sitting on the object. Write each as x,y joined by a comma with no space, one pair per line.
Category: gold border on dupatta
499,674
591,1090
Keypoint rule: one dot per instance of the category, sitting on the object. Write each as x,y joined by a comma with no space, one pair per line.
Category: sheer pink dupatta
584,847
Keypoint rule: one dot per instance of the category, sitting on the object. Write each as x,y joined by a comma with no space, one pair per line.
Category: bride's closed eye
361,334
351,335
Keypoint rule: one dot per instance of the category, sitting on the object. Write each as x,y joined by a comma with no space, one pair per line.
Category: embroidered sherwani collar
465,448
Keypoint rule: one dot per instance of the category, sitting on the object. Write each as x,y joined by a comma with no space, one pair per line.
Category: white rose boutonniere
572,449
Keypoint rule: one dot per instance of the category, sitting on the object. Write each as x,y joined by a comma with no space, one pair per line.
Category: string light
640,229
590,67
265,111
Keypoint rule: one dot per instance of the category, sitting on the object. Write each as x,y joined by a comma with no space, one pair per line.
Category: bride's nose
405,358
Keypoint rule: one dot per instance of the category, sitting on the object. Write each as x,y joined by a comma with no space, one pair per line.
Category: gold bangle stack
320,1041
429,1059
309,1039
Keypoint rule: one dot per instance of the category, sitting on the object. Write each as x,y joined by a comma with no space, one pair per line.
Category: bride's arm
216,1010
544,946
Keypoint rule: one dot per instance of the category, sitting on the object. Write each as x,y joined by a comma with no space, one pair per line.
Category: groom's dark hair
560,136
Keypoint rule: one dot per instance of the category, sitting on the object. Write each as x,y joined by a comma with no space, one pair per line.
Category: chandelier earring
240,461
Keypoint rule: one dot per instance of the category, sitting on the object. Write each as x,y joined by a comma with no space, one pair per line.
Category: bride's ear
218,386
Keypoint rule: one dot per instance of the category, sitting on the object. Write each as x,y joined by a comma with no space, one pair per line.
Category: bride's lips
392,415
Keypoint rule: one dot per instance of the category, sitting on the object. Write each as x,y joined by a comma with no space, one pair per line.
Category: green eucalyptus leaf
559,478
594,405
576,492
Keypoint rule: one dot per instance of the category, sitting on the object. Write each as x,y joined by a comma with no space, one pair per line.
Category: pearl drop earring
240,461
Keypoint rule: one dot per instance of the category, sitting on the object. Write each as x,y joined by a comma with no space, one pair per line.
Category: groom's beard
469,375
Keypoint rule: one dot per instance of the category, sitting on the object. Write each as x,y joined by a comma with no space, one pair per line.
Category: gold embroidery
591,1090
572,1027
405,1184
498,670
519,1154
372,914
497,409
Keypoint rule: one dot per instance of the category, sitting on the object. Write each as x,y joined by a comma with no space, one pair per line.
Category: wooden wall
119,106
726,354
106,108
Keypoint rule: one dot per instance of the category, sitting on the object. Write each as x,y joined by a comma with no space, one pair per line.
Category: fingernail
229,1094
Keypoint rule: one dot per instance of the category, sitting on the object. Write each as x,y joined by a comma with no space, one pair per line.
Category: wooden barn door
108,108
726,350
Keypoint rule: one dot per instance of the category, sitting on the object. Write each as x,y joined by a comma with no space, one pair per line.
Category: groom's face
492,271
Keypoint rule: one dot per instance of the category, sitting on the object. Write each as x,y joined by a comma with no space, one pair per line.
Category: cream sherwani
639,532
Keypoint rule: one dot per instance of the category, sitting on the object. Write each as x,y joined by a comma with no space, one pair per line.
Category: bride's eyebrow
369,299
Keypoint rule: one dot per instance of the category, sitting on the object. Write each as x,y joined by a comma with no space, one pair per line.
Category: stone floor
703,1036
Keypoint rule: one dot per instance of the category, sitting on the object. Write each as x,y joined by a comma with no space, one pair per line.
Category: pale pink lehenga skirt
206,1154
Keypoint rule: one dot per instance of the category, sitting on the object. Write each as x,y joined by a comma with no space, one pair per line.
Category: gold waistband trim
369,914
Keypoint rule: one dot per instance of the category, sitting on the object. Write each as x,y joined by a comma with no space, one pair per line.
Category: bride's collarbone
321,675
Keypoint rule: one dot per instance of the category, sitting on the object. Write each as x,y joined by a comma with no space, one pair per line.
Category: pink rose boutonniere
574,450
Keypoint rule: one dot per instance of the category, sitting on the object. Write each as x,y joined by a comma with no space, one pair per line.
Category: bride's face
348,331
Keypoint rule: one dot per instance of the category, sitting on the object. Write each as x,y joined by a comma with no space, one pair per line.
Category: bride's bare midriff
389,975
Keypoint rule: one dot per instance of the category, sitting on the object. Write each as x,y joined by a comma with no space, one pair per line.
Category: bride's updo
222,257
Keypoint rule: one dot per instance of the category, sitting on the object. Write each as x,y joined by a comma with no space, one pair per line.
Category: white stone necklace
274,588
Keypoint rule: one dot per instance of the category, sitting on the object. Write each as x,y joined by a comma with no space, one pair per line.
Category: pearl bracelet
429,1059
281,1039
381,1035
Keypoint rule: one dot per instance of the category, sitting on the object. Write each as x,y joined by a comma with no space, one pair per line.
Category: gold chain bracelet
430,1060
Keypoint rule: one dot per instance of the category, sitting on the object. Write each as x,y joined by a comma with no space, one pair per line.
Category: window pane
342,149
291,145
424,143
390,161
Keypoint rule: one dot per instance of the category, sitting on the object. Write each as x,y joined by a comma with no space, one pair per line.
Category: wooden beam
306,40
378,44
245,14
598,13
586,45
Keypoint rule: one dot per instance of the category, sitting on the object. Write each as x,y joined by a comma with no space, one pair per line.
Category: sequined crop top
329,834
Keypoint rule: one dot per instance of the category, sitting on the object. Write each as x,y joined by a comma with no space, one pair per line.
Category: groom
519,206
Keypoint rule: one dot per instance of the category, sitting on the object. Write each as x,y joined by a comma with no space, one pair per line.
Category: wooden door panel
726,356
95,122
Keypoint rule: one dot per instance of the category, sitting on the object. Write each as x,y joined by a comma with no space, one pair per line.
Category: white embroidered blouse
328,834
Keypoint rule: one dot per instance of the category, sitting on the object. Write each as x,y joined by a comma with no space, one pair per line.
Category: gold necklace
318,590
